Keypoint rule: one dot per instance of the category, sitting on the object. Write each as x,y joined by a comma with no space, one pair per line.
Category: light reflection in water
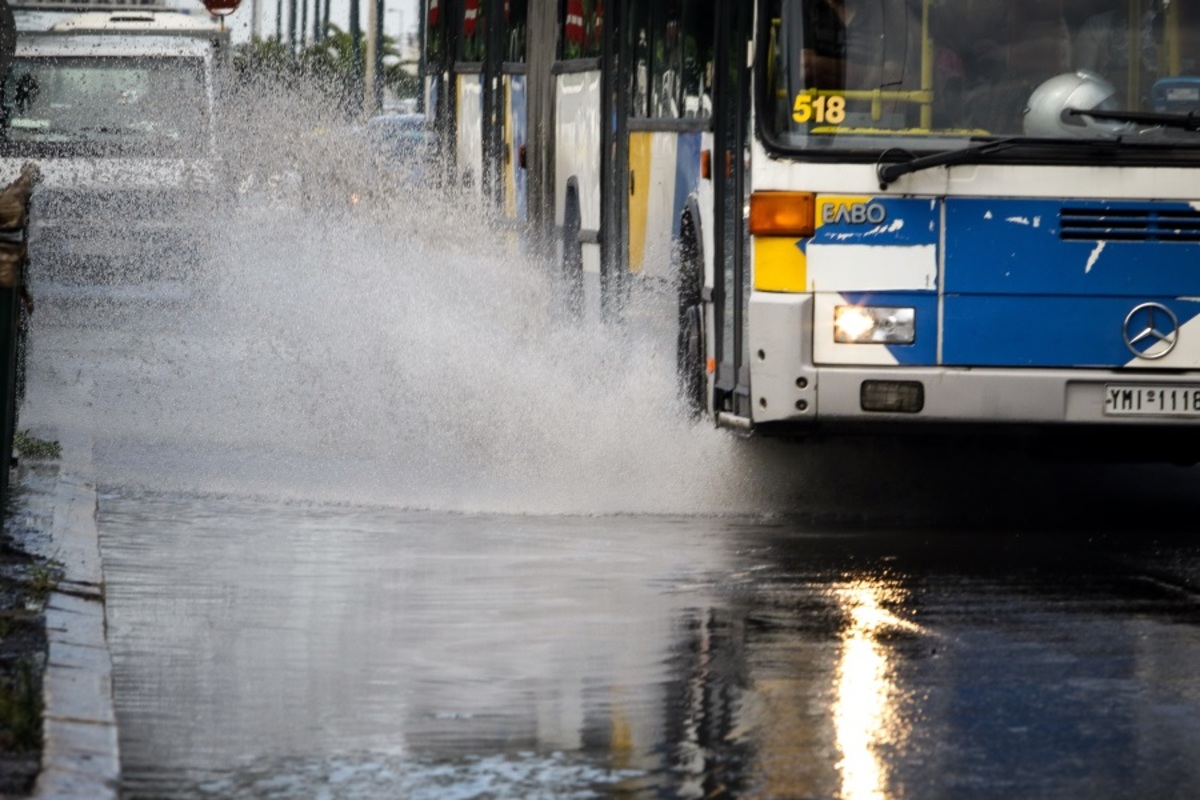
865,712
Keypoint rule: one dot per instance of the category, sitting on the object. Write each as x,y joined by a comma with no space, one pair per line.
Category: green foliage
263,55
329,63
33,447
43,578
21,709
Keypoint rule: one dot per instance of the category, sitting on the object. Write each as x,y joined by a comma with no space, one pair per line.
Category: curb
80,753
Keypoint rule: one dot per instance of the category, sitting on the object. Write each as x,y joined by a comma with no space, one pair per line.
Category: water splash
401,351
527,776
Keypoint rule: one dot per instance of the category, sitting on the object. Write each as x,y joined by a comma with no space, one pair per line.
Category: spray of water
403,350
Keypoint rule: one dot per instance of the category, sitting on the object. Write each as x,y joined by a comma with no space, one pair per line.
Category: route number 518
823,110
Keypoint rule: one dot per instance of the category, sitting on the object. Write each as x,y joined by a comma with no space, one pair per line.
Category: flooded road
377,524
276,651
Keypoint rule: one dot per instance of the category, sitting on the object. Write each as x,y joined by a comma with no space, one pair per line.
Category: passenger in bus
1105,40
949,70
861,45
697,77
1008,49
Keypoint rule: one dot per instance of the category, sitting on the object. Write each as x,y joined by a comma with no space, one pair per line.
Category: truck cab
116,108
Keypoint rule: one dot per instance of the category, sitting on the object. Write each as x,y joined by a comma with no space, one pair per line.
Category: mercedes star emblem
1151,331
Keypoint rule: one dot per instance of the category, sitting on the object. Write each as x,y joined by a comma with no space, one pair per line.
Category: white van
116,108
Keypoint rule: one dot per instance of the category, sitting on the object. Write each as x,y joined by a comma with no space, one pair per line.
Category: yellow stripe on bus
779,265
836,201
639,197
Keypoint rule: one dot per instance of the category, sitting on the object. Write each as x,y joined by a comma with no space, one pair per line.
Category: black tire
690,355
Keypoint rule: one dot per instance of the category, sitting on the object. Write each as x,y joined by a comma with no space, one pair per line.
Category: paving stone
75,656
75,621
80,746
59,783
80,757
75,532
81,694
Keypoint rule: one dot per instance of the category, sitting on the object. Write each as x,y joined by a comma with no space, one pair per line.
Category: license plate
1123,400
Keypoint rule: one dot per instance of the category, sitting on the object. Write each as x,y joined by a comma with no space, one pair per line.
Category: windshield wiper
889,173
1185,122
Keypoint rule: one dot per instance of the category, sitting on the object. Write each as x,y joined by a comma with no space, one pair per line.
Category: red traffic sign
221,8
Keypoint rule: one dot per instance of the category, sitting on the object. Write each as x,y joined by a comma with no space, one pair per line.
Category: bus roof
138,21
108,45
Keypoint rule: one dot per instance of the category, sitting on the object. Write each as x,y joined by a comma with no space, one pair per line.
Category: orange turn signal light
783,213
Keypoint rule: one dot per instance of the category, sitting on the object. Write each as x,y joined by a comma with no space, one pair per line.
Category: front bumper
787,387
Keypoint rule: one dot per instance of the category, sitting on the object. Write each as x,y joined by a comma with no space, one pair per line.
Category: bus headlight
874,325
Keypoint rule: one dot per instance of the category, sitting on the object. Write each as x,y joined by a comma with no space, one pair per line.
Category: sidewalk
80,757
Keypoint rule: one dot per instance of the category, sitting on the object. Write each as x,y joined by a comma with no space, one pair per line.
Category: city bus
875,215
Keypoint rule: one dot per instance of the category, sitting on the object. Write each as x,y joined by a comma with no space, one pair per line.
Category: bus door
441,45
669,44
514,103
730,162
614,158
494,98
480,100
643,22
468,76
492,85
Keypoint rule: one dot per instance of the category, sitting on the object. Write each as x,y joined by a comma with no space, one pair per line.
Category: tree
327,65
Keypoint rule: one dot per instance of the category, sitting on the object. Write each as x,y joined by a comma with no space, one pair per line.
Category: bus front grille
1129,224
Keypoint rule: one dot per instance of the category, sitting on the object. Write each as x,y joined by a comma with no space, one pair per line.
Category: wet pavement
392,530
268,650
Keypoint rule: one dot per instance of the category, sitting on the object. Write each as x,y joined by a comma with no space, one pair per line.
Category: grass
21,709
12,619
43,578
33,447
26,582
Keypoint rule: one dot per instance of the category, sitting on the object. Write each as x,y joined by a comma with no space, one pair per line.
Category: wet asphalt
267,650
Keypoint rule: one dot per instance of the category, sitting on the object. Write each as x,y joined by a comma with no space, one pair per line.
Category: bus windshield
153,106
933,74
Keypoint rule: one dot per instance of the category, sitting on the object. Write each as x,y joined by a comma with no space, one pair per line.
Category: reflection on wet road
864,687
300,651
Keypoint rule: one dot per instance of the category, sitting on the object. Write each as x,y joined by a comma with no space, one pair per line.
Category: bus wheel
572,262
690,347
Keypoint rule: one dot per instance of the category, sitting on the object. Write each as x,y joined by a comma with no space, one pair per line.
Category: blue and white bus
879,214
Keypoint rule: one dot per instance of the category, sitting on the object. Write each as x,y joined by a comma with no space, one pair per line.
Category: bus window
861,56
435,35
697,54
671,49
583,28
666,61
473,41
1009,49
515,26
859,44
641,45
877,74
1124,42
